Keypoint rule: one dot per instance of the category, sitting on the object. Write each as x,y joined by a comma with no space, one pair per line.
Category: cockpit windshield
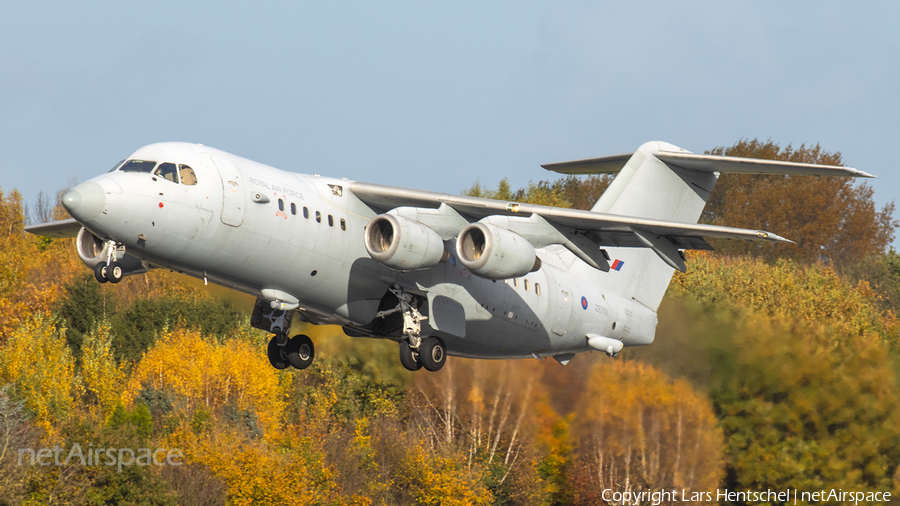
138,166
116,166
167,171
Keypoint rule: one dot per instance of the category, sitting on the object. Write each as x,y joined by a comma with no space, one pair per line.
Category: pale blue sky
436,95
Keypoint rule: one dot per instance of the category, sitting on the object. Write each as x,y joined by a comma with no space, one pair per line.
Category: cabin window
318,217
167,171
306,212
187,175
293,208
526,285
537,288
343,224
138,166
280,205
516,282
330,220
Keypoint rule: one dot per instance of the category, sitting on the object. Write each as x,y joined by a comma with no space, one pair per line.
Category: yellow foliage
210,374
102,378
445,480
286,471
37,361
639,426
813,293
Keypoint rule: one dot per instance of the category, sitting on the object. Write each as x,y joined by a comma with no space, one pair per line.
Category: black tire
276,355
114,273
409,360
300,351
100,273
432,353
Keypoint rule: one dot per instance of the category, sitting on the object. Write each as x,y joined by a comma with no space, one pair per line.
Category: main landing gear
283,351
297,351
415,352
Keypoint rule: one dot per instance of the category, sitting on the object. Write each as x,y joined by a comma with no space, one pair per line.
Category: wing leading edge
56,229
602,229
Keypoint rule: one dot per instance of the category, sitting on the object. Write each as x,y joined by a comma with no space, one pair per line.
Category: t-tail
664,182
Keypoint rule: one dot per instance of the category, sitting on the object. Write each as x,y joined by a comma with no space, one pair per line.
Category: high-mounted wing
56,229
601,229
612,229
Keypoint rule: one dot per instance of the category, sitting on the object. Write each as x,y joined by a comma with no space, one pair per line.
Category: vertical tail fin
664,182
647,187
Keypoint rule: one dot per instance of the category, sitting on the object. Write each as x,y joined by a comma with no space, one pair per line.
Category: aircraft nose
85,202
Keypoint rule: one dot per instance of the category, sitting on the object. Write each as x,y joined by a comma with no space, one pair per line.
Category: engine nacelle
495,253
92,250
402,244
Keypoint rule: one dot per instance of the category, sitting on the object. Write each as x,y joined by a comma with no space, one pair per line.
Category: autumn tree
638,429
798,365
37,361
832,219
486,409
570,191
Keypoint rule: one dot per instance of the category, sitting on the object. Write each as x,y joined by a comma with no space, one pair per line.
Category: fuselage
262,230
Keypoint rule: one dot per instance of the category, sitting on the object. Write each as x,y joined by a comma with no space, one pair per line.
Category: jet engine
92,251
402,244
495,253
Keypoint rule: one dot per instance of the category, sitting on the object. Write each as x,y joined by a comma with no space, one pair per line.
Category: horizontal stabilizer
603,165
706,163
736,165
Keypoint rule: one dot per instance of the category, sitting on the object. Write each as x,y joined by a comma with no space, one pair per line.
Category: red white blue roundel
583,303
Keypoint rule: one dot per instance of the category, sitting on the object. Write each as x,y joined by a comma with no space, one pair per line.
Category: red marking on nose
160,205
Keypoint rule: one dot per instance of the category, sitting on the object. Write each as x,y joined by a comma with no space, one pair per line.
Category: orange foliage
638,429
831,218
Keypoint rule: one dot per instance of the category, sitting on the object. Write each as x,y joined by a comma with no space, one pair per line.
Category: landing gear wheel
100,273
432,353
409,360
114,272
277,355
300,351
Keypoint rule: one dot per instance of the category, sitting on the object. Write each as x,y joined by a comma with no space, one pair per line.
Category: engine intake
402,244
495,253
92,250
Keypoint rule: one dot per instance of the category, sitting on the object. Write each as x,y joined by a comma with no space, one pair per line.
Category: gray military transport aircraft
439,274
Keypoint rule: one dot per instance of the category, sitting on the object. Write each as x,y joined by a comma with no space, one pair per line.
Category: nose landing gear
112,272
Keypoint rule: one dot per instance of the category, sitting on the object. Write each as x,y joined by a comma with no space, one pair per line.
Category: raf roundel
584,303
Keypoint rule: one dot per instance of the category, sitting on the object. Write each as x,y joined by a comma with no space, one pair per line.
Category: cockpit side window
138,166
167,171
187,176
116,166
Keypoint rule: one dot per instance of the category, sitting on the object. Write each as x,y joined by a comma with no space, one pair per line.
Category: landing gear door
446,315
232,191
270,320
562,309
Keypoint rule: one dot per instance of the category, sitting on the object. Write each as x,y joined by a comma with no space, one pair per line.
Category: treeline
766,373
